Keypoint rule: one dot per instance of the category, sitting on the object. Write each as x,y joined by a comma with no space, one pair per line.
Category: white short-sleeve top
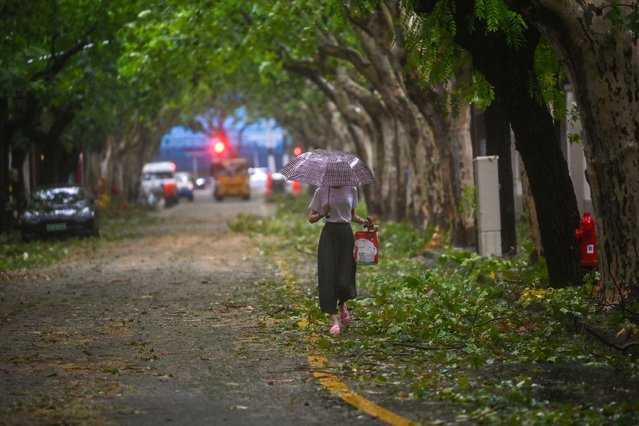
342,200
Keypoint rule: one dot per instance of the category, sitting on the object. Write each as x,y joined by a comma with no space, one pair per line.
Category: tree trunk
430,174
453,139
465,230
511,72
364,122
536,251
376,144
4,162
498,143
602,62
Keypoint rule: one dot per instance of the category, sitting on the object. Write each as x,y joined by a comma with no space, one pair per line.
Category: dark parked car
59,210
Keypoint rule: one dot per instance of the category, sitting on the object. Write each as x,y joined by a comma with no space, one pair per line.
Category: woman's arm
361,221
314,215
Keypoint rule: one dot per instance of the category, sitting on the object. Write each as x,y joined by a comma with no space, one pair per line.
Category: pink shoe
345,317
335,329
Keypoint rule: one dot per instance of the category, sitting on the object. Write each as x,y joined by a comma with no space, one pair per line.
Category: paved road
163,328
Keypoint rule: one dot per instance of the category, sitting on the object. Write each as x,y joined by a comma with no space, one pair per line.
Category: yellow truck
231,178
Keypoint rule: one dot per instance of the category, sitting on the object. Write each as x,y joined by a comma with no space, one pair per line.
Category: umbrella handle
328,201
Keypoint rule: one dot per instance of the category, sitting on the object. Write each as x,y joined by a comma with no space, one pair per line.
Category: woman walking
335,264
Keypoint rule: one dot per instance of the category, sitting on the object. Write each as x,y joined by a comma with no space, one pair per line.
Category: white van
157,183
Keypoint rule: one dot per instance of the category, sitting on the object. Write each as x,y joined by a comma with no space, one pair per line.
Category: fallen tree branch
428,348
607,342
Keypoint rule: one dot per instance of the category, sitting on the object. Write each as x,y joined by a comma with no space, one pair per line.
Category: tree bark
511,72
376,145
498,143
366,123
434,175
536,251
602,63
4,163
452,136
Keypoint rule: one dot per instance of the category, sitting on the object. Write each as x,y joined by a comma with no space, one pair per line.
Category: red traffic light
297,151
219,147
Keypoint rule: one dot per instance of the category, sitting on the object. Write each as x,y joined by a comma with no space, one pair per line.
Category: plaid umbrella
328,168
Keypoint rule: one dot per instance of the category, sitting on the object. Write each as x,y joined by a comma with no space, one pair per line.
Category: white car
279,184
185,185
157,183
258,179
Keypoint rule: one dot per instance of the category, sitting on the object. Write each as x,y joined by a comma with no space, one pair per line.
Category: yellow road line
339,388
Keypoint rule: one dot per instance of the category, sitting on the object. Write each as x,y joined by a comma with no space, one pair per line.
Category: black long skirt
335,266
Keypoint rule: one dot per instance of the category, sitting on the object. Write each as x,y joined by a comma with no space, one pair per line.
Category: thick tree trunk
422,181
4,162
416,172
602,62
531,218
511,72
498,143
377,145
118,165
466,231
454,144
431,168
313,130
348,104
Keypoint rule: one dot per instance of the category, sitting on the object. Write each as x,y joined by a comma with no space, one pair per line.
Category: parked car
185,185
59,210
201,182
258,179
158,185
279,184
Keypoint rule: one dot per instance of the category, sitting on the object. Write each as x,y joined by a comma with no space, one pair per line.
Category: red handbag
366,249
